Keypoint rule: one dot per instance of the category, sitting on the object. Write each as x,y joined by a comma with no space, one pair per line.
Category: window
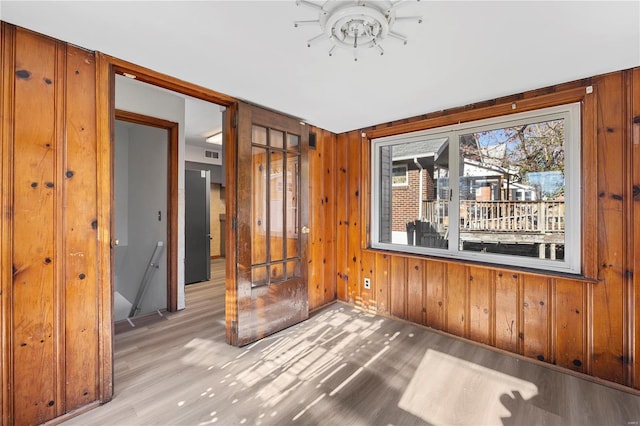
504,190
399,176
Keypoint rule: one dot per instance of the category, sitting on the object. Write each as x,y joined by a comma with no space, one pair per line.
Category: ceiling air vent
211,154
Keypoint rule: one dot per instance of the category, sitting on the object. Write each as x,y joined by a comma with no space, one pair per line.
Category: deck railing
540,217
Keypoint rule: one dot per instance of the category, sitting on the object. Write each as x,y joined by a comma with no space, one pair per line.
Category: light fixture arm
356,25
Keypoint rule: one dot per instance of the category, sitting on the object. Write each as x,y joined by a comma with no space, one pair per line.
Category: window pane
277,138
276,182
259,276
258,135
277,272
414,193
259,212
293,269
293,241
512,190
293,141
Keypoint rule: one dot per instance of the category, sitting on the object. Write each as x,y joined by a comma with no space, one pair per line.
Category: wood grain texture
608,299
381,283
35,301
317,227
372,370
570,319
415,287
342,216
398,286
79,170
435,291
322,219
265,309
170,83
634,254
602,338
328,146
231,208
7,69
536,318
506,311
105,103
367,298
354,206
480,305
457,299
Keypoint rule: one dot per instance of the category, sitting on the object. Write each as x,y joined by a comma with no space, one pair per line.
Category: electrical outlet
367,283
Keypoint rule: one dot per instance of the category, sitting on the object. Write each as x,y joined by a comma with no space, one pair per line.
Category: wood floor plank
342,366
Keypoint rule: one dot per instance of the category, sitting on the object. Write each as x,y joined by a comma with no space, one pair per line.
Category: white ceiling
463,52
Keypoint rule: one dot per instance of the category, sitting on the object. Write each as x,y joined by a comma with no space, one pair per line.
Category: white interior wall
148,148
122,306
121,184
143,99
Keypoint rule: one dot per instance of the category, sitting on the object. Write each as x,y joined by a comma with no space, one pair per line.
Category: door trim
106,68
172,196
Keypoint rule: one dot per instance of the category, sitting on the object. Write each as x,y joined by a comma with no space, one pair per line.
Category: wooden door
271,225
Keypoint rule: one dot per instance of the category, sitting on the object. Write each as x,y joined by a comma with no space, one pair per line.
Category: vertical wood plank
536,326
628,195
7,69
368,296
506,311
59,206
415,286
608,299
328,146
435,281
342,215
34,340
354,205
398,286
457,300
480,296
382,283
589,177
317,226
104,120
570,325
634,250
80,214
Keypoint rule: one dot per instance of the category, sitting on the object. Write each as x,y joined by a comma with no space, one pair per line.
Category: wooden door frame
172,195
106,69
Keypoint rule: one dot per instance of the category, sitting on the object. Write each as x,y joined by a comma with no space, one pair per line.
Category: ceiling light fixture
355,25
215,138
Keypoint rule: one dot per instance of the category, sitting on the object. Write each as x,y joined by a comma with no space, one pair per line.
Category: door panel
272,192
197,226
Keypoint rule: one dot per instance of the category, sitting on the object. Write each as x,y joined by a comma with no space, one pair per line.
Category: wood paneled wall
50,287
322,214
585,325
54,235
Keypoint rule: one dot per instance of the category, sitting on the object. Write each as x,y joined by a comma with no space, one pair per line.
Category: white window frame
406,176
573,250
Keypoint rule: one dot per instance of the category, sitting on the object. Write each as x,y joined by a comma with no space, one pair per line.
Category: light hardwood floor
341,367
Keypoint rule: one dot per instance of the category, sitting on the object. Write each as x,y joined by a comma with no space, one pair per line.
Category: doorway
144,206
190,123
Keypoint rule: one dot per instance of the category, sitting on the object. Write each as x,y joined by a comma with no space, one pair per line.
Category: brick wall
405,204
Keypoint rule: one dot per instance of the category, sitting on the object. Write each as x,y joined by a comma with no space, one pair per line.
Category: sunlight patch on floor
446,390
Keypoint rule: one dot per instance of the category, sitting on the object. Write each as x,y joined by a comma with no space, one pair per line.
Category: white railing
540,217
